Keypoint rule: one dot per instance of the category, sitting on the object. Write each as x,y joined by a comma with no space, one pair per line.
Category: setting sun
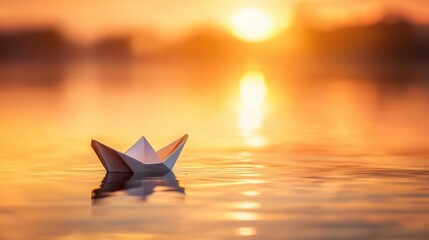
252,24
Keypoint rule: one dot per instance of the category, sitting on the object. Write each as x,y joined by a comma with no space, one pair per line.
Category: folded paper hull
141,157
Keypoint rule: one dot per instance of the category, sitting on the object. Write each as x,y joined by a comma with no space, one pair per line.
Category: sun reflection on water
250,193
245,231
247,205
253,90
246,211
243,216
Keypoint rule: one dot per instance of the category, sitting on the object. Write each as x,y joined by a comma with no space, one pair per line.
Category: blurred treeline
387,40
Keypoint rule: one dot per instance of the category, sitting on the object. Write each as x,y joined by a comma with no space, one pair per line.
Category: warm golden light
252,92
250,193
245,231
247,205
250,118
243,216
253,88
252,24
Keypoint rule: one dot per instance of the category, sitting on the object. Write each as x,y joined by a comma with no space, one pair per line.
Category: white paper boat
141,157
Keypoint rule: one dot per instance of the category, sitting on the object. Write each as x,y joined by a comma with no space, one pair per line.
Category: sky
86,20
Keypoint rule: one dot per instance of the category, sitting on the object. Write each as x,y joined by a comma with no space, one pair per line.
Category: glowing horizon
100,18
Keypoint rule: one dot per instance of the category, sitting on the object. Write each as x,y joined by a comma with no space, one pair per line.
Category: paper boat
141,157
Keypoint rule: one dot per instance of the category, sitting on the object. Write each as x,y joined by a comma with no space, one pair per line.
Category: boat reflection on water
136,184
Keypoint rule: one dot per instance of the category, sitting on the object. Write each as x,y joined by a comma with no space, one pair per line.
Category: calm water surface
275,151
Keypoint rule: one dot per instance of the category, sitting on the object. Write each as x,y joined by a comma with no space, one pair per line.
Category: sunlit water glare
274,153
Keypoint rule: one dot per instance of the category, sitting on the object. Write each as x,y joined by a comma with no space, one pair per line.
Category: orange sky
85,20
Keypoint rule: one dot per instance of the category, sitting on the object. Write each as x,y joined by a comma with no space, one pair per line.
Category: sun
252,24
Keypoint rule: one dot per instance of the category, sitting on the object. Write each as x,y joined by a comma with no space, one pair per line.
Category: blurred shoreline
387,41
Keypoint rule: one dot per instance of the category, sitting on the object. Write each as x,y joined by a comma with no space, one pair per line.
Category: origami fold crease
141,157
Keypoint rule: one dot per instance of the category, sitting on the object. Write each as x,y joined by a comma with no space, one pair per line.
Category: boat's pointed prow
110,158
166,151
140,157
171,160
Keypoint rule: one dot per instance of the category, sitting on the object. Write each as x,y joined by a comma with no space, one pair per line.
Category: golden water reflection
243,216
247,205
253,90
250,193
349,146
245,231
